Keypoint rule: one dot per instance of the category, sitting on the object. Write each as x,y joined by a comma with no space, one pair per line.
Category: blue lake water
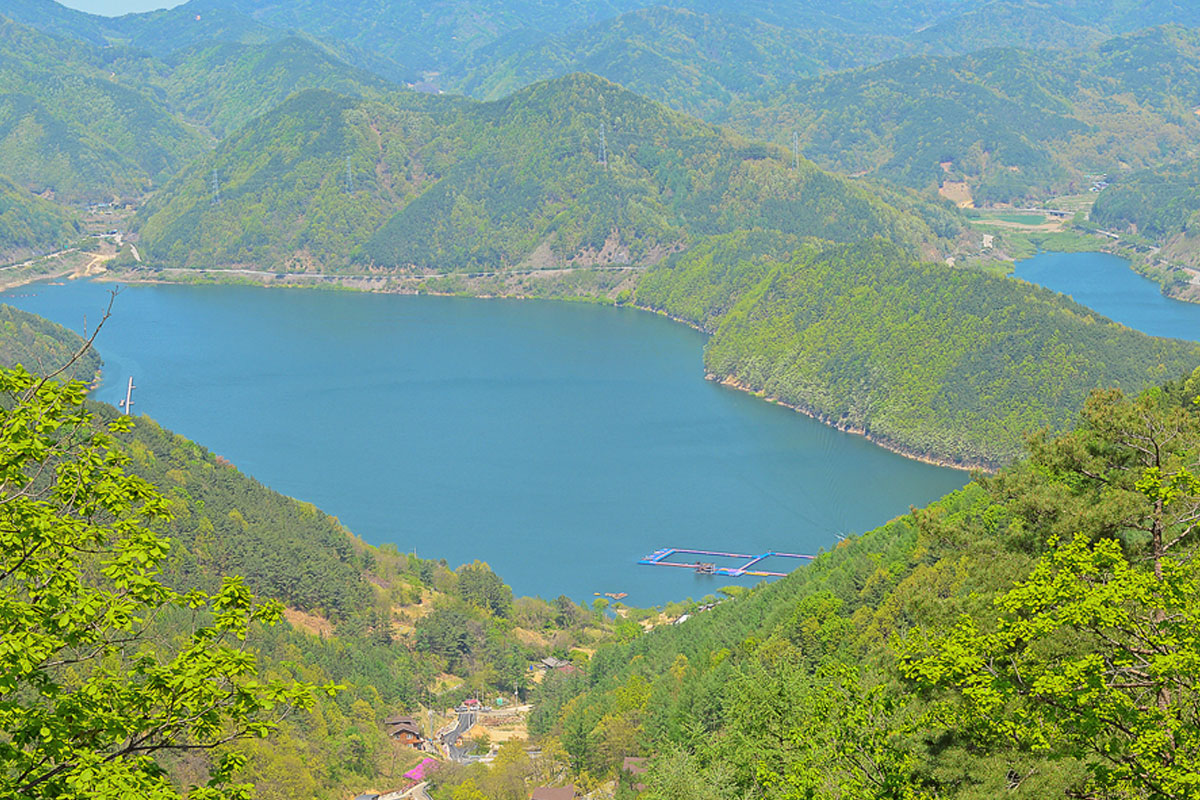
1106,283
558,442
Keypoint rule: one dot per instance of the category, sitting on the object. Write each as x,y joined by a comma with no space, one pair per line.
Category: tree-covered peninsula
944,363
42,346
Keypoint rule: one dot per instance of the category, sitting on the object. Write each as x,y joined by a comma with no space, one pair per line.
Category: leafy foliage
87,698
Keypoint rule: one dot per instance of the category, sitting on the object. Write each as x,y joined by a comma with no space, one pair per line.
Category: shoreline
824,419
340,284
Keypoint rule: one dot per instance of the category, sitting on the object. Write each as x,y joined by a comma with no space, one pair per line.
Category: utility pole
127,403
216,189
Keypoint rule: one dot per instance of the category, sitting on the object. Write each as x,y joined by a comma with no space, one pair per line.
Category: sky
113,8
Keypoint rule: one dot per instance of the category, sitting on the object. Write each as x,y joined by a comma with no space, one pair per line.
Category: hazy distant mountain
88,123
221,85
1008,122
69,127
697,62
416,39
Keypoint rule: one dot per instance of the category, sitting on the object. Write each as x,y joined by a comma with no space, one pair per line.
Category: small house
405,730
554,793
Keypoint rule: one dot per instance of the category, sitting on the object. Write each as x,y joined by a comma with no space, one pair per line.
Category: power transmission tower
349,176
603,145
796,150
216,189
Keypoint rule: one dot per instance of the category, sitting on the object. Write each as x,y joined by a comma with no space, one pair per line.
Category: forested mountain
87,124
419,41
399,40
703,56
1031,636
387,626
696,62
946,363
222,85
42,346
774,693
31,225
1010,123
960,651
1018,24
1159,203
69,129
575,170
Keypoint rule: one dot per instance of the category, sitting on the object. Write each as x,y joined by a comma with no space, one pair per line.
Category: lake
558,442
1106,283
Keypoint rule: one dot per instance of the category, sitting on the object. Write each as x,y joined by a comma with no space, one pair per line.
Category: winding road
466,720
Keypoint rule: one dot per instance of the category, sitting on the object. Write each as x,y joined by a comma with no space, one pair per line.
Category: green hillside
945,363
420,37
695,62
1157,203
221,85
1155,211
444,184
90,123
70,127
390,630
844,679
1017,24
390,623
30,225
426,41
772,694
42,346
1010,123
700,57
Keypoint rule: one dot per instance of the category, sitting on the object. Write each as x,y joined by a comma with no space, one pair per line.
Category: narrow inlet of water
1106,284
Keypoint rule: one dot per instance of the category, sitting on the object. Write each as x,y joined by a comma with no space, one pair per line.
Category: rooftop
553,793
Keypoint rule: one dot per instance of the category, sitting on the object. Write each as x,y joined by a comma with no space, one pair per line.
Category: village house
553,664
554,793
405,730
